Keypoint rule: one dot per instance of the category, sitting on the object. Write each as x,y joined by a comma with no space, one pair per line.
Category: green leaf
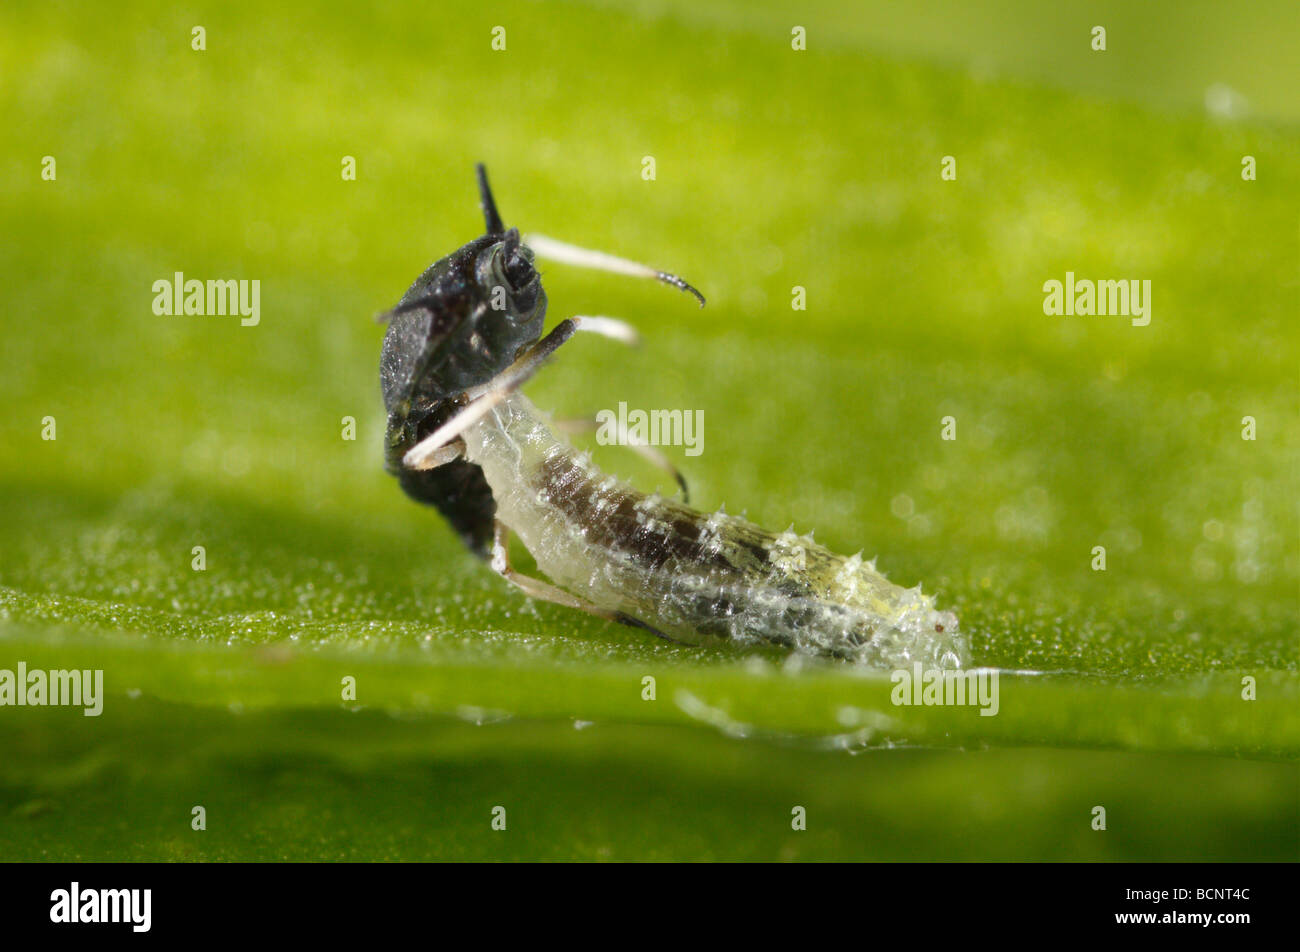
1126,688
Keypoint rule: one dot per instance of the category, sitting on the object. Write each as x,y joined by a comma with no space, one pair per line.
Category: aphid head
463,321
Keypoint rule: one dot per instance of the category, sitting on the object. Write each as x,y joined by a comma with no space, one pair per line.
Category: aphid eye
938,628
513,260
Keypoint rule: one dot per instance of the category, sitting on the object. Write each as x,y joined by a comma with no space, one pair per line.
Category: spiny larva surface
690,574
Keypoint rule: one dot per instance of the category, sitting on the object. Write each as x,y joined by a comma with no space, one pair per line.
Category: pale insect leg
518,373
483,398
536,588
442,455
566,253
643,449
610,327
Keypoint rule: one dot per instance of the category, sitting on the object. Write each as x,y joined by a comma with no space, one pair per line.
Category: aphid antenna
565,253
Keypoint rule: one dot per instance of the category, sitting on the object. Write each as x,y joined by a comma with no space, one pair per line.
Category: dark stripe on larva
676,535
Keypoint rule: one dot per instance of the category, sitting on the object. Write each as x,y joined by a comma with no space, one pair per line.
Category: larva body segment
692,575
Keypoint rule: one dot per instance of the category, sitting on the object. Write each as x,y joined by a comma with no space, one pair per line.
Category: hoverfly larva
463,438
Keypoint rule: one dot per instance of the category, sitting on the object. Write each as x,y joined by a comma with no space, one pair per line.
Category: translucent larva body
694,576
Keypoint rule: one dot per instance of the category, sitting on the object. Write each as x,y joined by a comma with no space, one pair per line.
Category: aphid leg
535,588
519,373
566,253
428,302
610,327
647,452
483,398
426,453
442,455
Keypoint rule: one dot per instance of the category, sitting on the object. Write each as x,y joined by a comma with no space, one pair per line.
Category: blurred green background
775,169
